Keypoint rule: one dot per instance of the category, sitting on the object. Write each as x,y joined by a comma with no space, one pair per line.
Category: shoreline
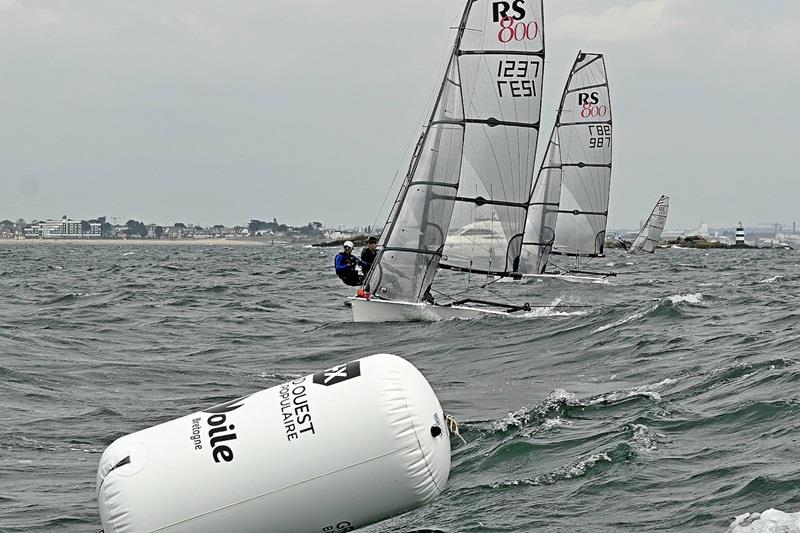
142,242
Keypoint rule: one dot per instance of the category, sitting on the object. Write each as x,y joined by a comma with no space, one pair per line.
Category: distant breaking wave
673,301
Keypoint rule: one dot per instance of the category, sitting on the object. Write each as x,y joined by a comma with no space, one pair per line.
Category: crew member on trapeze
346,264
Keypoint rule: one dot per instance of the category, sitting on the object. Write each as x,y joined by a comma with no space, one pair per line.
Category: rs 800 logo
501,9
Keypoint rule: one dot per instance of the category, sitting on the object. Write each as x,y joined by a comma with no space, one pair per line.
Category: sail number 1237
509,73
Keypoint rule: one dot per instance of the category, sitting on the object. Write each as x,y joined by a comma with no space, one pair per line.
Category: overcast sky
217,112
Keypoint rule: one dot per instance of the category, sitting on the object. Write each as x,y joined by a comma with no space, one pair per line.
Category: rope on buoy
452,427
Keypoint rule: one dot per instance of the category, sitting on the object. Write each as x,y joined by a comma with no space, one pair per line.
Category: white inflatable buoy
326,453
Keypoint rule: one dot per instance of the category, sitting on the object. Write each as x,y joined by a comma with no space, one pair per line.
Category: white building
63,229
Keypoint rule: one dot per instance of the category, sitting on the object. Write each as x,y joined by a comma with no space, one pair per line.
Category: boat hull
389,311
570,278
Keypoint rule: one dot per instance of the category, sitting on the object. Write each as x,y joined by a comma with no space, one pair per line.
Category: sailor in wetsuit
346,266
368,253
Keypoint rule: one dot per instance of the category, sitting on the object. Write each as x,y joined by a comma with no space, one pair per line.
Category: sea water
670,402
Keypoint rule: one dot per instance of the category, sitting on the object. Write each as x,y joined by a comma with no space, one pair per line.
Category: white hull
388,311
600,280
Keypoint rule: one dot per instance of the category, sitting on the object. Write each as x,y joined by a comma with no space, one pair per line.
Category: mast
545,197
542,211
417,149
415,232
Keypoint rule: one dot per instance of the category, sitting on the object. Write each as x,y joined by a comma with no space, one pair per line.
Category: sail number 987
600,136
509,73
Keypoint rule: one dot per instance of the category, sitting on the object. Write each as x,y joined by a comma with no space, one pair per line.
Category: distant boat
471,171
648,237
569,200
484,240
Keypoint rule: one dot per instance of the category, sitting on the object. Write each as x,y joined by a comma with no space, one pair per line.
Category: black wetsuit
368,257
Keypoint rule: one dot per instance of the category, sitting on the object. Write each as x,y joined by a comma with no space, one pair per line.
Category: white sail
501,61
543,211
584,126
413,237
649,235
477,151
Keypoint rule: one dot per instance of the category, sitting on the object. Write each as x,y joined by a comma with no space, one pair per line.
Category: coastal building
63,229
672,234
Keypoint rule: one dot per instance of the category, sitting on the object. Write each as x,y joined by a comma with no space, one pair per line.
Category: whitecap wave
770,521
620,322
692,299
523,415
552,309
518,418
644,439
541,312
652,392
569,471
579,468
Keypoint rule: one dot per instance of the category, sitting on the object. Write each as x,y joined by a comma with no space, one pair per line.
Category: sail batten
585,87
491,121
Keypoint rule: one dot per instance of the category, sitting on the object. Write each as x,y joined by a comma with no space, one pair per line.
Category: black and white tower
739,236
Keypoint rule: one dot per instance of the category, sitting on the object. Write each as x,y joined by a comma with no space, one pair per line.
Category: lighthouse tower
740,235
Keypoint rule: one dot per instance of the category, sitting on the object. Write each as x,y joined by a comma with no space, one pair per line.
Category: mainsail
477,151
584,127
648,237
543,211
501,63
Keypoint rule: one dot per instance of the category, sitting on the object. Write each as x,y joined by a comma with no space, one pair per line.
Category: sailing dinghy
569,200
648,237
464,200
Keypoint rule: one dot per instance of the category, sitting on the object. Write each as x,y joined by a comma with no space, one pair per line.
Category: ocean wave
671,303
652,392
622,321
553,310
576,469
742,371
554,402
644,439
175,267
691,397
692,299
770,521
66,298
